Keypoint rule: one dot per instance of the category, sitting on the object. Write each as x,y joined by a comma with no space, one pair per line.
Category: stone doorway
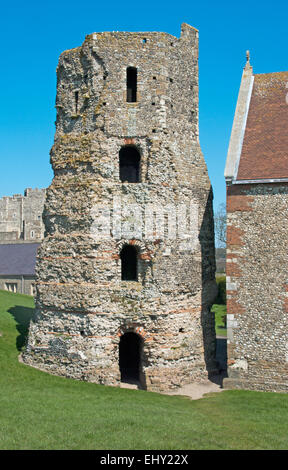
130,348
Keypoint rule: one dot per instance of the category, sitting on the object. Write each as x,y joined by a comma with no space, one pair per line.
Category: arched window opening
129,162
129,271
130,356
131,84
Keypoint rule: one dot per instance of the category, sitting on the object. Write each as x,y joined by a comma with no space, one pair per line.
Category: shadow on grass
22,315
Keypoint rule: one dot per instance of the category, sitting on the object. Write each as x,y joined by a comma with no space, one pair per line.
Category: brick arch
144,253
132,328
134,143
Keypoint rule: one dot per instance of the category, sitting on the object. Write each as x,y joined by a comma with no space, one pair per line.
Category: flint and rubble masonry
83,307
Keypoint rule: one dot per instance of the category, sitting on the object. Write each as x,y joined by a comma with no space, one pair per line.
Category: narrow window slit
76,101
131,85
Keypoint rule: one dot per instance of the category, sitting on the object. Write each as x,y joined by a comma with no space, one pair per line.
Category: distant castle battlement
21,216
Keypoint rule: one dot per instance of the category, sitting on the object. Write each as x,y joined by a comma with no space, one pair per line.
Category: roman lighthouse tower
125,275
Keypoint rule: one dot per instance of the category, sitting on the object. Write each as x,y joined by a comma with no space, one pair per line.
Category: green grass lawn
40,411
220,313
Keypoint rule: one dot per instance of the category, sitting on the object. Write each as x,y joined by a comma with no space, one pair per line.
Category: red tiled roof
265,145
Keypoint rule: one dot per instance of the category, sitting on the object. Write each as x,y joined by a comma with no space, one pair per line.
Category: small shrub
221,297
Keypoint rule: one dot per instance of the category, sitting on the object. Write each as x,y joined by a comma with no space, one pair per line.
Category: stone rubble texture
257,287
82,305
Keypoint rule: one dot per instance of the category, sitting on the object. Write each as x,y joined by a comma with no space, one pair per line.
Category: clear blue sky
33,34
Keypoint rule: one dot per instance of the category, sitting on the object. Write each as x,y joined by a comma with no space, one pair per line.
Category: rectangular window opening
131,85
11,287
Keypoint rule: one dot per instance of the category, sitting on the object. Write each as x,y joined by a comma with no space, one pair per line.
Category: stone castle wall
83,307
23,284
21,216
257,286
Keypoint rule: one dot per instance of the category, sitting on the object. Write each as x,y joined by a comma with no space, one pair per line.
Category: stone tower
125,275
21,217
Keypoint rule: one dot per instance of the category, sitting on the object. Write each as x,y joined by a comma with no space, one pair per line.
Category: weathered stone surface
256,268
83,306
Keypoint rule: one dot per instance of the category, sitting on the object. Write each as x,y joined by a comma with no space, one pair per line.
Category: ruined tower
125,275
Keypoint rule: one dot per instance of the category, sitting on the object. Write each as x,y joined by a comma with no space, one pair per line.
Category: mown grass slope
40,411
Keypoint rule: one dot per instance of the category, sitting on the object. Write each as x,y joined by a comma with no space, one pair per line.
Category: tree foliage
220,225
